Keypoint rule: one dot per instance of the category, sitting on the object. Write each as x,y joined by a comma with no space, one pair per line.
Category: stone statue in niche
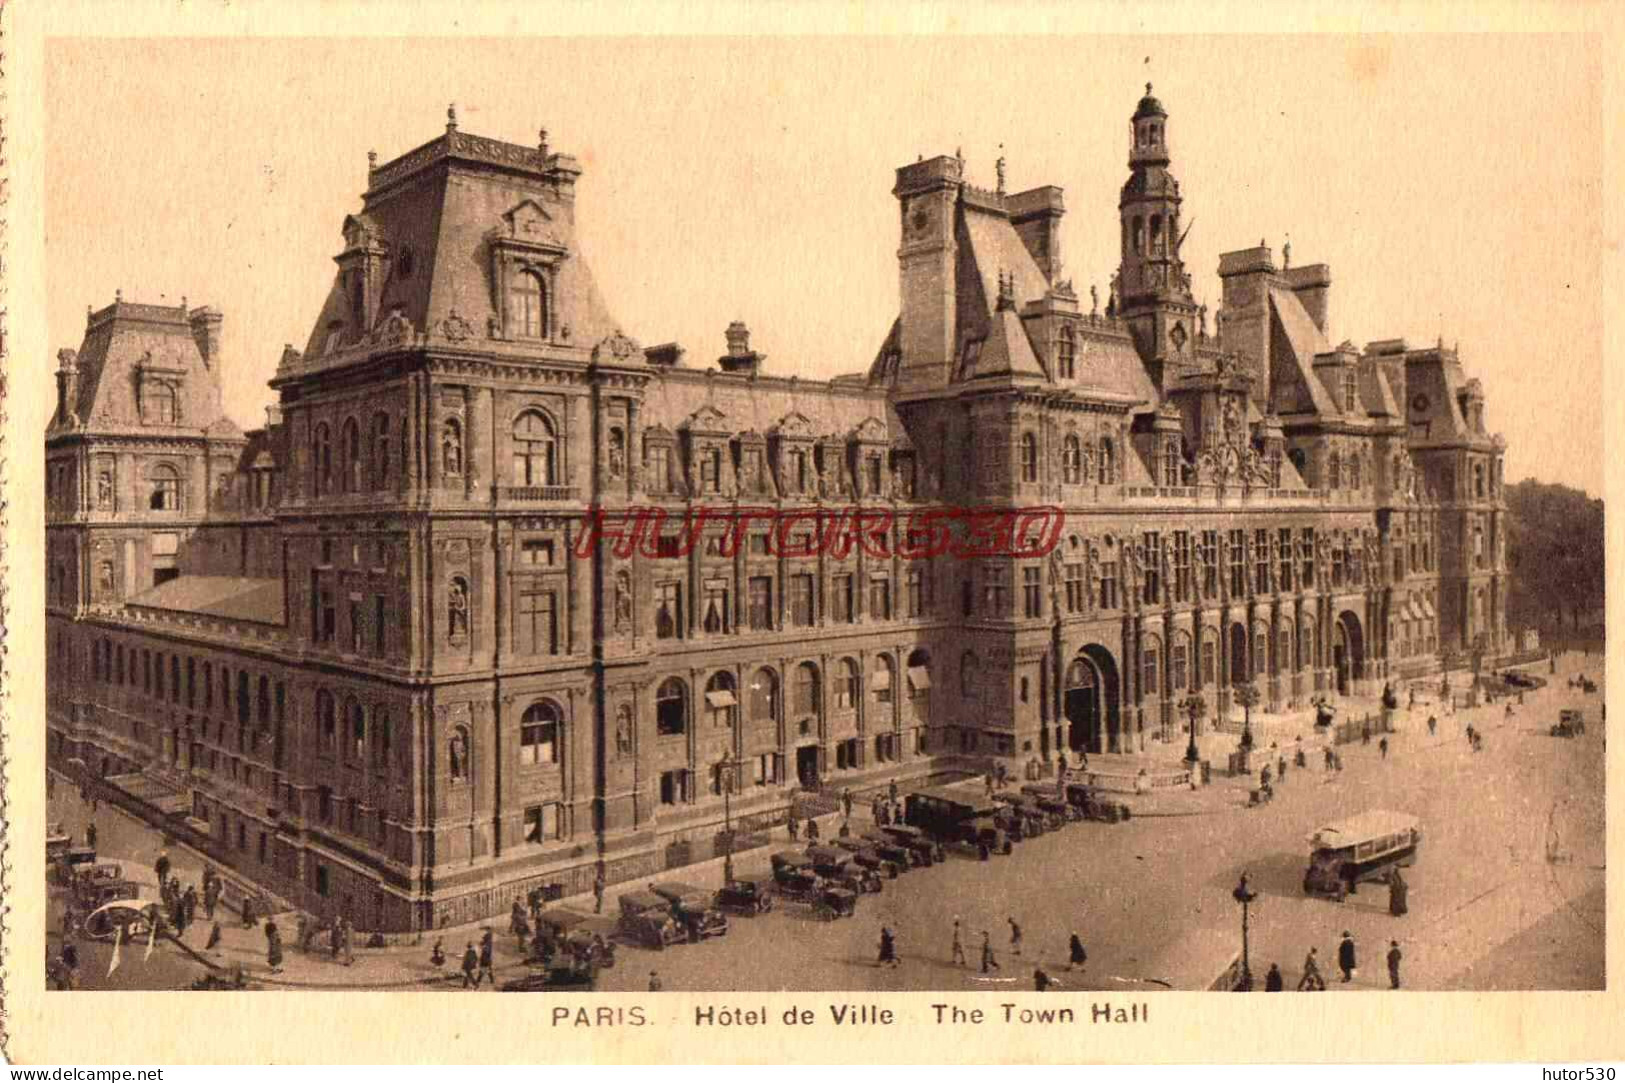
623,602
457,609
457,753
623,731
104,490
105,580
617,453
451,449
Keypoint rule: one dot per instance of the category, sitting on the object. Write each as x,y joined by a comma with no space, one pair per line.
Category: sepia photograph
972,514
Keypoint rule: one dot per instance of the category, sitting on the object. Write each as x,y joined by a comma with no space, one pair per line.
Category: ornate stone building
392,654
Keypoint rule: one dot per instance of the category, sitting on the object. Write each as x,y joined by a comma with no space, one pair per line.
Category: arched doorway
1092,701
1240,670
1348,651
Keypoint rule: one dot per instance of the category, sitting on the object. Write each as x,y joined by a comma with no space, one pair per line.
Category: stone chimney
740,357
205,324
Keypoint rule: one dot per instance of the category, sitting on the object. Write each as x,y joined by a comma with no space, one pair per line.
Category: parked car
834,901
694,908
646,920
837,867
1033,820
747,894
1053,802
794,877
891,851
69,862
133,915
571,936
1570,723
924,849
569,977
987,835
1093,806
864,856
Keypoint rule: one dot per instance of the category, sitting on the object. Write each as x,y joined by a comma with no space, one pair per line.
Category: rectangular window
1180,663
841,601
1032,592
357,632
657,467
538,552
1153,674
995,590
1238,564
1182,566
668,547
329,626
1210,668
674,787
1153,568
1306,555
1261,561
879,598
872,464
1075,588
1108,584
801,601
758,545
716,613
540,825
761,603
916,592
538,744
764,769
1210,564
379,637
967,596
536,626
668,610
710,469
1284,538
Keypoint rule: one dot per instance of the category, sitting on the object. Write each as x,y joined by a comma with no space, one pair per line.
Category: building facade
403,653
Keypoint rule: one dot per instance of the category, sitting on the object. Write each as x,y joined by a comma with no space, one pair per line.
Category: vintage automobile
1054,803
891,851
570,935
747,894
962,817
133,915
694,908
987,835
57,842
568,977
1034,820
864,856
69,862
1570,723
1365,847
922,848
834,901
646,921
794,877
1093,807
837,866
93,891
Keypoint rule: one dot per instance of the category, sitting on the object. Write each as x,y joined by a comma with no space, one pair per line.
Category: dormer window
335,332
1351,392
1067,354
527,306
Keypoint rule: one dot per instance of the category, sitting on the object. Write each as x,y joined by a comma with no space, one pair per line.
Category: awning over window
721,699
881,679
919,677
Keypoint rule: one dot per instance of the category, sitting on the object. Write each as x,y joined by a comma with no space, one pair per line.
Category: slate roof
233,597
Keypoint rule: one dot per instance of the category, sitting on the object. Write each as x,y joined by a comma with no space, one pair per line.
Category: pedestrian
437,954
655,984
1311,979
959,946
1077,957
1328,759
1272,980
795,827
347,940
1393,964
518,925
90,834
273,947
845,832
988,962
812,830
1280,769
335,940
250,916
988,781
189,902
1015,938
1433,725
1398,894
1041,980
214,938
1470,734
888,948
211,896
488,956
883,814
471,966
1365,732
1382,746
846,802
1345,957
161,867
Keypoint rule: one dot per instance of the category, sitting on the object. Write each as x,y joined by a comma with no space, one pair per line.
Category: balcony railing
535,494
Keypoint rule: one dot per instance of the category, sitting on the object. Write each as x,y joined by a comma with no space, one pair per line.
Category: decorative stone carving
623,731
455,328
394,330
456,609
623,602
616,347
104,490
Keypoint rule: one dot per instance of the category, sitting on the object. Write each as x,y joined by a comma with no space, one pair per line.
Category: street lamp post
1194,707
725,772
1247,695
1244,896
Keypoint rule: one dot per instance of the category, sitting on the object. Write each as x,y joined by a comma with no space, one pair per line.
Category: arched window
533,446
539,731
809,690
326,720
380,451
352,456
451,448
721,704
165,404
321,458
166,489
1334,470
1108,462
968,667
1283,651
1151,658
1029,457
1354,471
671,708
383,735
1071,461
1139,235
1261,652
846,685
1156,234
1067,353
357,720
764,695
527,306
264,702
882,679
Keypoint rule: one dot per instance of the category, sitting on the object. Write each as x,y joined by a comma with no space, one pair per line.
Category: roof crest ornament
998,169
451,117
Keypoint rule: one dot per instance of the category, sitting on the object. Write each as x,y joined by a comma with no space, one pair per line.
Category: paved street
1487,907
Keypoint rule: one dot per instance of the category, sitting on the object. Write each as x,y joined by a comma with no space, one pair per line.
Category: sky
1452,183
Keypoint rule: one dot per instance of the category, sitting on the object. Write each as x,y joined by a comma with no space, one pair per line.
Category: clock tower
927,196
1153,290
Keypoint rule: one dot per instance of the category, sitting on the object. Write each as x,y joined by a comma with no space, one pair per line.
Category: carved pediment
529,221
617,347
870,429
795,424
706,419
751,436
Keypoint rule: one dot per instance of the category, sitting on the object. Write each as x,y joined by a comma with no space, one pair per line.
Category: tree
1555,547
1247,696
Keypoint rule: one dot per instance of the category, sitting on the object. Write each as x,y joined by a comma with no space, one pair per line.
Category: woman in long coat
888,948
273,947
1077,955
1398,889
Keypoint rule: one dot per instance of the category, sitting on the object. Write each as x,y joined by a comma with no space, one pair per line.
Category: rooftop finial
1148,90
451,117
541,143
118,295
372,160
998,168
1286,253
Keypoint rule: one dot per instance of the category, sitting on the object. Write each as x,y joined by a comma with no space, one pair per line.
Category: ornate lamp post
725,777
1194,707
1247,696
1244,896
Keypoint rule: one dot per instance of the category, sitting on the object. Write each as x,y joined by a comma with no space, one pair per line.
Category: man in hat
1345,957
1311,978
488,956
959,947
1393,964
471,966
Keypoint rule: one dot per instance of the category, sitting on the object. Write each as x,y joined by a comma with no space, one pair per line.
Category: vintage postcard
776,539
